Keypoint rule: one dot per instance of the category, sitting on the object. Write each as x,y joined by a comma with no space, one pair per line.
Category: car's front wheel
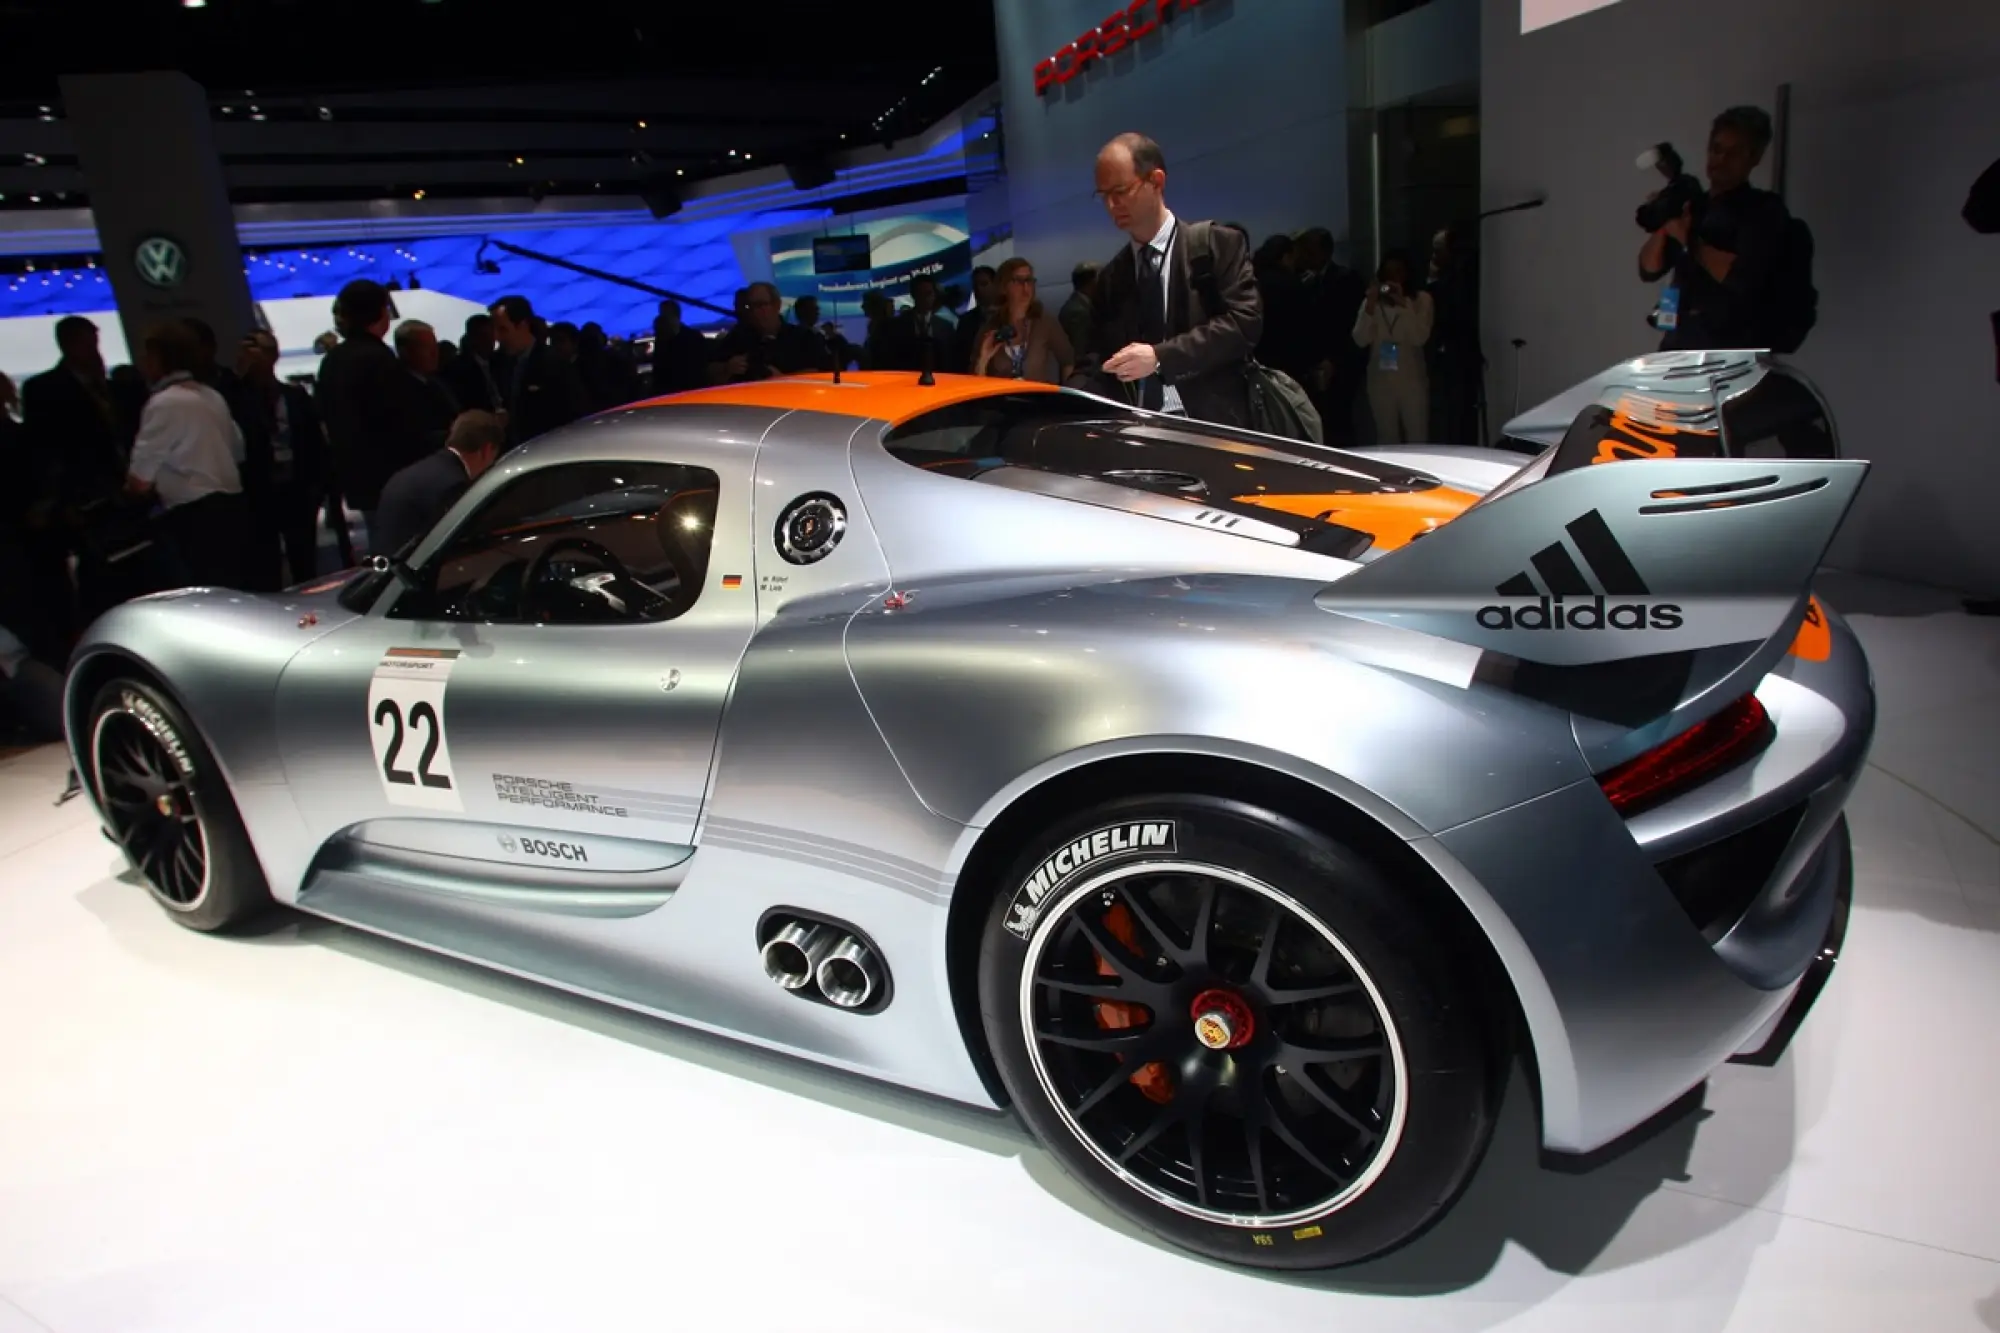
1237,1031
167,806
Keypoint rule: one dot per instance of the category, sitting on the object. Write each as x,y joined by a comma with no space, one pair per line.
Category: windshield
1320,499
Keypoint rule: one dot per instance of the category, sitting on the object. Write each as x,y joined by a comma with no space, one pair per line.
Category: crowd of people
182,470
1394,359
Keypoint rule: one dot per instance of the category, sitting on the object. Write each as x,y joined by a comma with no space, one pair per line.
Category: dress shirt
1162,245
189,445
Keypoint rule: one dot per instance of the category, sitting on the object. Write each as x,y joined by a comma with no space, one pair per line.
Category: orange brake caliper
1152,1079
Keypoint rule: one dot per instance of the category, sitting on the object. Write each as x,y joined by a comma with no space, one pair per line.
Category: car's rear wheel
166,805
1237,1031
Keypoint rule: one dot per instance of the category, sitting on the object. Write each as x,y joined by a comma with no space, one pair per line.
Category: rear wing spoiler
1733,404
1596,565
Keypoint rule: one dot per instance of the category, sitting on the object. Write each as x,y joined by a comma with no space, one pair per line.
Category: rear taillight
1694,756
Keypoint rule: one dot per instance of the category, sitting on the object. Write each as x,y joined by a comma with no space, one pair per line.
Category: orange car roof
893,396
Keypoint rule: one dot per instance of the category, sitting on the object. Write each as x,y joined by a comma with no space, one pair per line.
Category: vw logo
161,262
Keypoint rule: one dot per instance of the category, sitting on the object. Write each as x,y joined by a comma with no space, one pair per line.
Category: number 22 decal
406,721
420,714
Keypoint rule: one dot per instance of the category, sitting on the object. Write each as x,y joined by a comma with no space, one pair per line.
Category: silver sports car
1238,810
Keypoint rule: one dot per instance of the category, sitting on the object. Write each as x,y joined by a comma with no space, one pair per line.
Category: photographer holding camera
1741,264
1394,325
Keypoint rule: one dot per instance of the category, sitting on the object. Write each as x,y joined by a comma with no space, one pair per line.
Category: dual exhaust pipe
819,960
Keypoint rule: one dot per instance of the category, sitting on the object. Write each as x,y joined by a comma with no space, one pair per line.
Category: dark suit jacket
547,396
312,466
415,499
373,422
1982,205
470,385
437,408
1205,348
680,361
902,346
85,438
790,351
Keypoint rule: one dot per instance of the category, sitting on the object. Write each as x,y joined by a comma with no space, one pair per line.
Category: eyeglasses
1025,279
1125,191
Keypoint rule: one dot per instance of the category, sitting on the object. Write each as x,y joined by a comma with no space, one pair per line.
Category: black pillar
147,150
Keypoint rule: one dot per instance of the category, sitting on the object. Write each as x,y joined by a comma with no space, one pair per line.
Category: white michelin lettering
1069,860
152,720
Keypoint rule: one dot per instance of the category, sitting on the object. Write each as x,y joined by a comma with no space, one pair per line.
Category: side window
575,544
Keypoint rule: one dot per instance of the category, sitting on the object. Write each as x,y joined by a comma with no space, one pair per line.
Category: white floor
315,1130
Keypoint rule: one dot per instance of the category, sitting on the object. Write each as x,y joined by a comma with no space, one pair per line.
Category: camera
1682,192
1006,333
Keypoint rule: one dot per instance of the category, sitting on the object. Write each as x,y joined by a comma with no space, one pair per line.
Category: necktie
1152,322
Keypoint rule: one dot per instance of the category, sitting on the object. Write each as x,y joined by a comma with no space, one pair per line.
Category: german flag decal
732,580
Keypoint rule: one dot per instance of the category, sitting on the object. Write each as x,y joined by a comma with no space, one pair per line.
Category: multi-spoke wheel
148,807
168,808
1237,1031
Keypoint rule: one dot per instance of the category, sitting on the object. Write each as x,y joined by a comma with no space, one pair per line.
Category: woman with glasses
1020,340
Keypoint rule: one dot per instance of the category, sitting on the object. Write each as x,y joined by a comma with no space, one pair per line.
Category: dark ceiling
324,100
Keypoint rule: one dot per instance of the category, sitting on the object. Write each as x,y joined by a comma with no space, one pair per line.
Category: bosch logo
554,851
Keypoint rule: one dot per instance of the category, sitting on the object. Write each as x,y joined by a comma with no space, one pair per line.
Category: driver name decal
406,716
1072,858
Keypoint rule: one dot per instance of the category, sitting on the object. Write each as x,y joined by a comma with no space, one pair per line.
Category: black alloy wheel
1214,1044
148,806
1241,1032
165,802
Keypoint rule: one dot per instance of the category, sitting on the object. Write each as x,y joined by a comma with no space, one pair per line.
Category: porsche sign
1131,24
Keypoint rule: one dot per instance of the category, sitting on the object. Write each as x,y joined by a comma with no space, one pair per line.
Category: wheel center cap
165,805
1222,1021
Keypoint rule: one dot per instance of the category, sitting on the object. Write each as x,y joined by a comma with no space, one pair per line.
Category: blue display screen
842,254
933,241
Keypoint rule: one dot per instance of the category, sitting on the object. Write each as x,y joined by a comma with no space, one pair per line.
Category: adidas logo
1565,598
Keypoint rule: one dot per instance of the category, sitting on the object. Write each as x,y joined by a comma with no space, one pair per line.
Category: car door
533,718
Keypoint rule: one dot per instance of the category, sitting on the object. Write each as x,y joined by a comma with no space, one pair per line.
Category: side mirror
382,564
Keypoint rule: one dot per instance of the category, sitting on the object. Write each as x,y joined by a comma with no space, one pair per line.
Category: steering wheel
531,577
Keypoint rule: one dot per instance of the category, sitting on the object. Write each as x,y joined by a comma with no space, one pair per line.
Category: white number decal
406,724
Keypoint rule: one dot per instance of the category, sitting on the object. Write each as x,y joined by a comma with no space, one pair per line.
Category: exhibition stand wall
1894,110
1248,100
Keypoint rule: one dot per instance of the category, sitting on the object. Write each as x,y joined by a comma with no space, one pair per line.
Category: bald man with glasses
1177,313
